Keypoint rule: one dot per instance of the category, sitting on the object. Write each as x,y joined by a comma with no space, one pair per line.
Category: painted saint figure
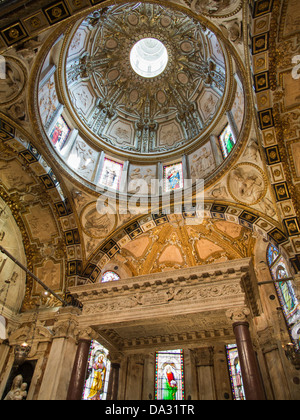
99,371
174,179
170,387
286,290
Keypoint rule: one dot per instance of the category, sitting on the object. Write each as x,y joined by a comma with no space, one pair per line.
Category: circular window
149,57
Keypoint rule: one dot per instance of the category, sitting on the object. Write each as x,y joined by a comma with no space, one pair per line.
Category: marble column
252,381
79,371
250,372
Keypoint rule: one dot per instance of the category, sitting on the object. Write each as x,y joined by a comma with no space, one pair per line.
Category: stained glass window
60,133
169,375
96,384
235,372
111,174
285,289
227,141
173,177
273,254
110,276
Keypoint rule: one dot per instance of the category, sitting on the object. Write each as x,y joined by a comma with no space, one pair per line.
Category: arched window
110,276
98,370
285,290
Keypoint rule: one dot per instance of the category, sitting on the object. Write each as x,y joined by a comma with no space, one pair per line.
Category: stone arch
261,227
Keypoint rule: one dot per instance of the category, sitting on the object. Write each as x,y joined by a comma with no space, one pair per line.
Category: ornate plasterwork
132,113
247,183
197,298
32,195
215,8
275,39
86,147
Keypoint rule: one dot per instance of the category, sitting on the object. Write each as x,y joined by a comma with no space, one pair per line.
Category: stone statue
18,390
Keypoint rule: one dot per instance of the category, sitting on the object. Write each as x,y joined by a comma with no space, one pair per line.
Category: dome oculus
149,58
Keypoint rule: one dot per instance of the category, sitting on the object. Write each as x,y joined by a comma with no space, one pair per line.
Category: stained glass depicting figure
173,177
60,133
110,276
98,370
235,372
227,141
111,174
169,375
285,290
273,254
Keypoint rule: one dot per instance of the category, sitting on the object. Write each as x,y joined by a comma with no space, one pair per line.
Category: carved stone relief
140,177
237,109
48,100
15,176
13,84
50,274
41,223
95,224
202,163
214,8
247,184
83,159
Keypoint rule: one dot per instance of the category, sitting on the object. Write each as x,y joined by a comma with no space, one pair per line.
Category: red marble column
79,371
113,385
253,386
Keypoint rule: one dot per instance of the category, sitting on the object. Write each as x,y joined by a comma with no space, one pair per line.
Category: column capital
238,315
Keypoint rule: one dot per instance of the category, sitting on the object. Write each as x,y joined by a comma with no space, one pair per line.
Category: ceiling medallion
145,70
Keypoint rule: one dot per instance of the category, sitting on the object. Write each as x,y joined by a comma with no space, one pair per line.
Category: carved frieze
198,290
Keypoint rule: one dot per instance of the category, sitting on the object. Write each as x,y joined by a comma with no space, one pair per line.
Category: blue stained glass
272,254
285,290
